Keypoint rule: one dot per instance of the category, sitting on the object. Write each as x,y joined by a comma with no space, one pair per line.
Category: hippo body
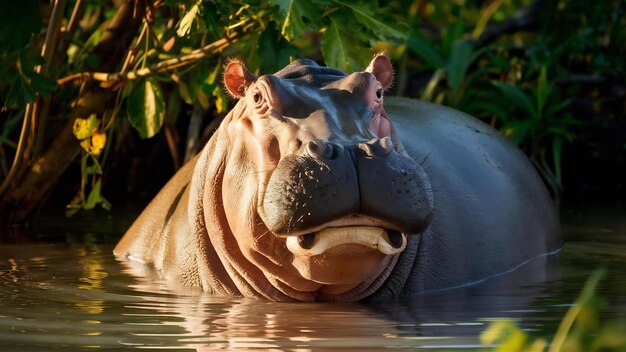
311,189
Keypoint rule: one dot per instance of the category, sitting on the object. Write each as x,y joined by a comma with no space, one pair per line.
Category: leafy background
103,100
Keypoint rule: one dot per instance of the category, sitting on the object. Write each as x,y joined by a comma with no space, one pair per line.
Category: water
75,296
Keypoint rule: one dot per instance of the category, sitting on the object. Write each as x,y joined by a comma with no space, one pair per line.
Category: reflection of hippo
305,192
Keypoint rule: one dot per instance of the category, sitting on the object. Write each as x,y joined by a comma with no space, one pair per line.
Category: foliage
450,52
513,83
580,329
146,108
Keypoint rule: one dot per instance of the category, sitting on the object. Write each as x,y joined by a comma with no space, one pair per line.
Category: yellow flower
98,140
86,144
85,128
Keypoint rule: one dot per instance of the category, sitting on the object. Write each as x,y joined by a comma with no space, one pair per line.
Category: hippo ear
237,78
381,68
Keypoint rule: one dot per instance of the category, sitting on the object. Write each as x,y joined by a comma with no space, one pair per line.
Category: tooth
388,242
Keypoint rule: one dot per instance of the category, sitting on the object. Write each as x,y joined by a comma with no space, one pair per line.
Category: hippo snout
330,181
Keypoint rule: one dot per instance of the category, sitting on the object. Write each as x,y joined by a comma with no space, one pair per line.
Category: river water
73,295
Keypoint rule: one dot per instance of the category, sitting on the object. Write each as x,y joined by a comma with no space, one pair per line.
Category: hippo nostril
306,241
315,149
395,238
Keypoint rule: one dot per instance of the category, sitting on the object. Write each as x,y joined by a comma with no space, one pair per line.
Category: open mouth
386,241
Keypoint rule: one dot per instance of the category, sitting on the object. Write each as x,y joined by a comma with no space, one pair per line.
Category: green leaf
480,107
221,100
95,198
374,21
26,83
183,90
299,16
518,131
453,33
41,84
543,88
553,109
460,60
342,48
517,97
274,50
19,21
20,93
422,48
146,108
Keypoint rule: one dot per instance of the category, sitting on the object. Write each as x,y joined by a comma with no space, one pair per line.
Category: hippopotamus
316,187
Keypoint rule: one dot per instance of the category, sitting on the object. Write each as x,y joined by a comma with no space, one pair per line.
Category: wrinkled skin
312,189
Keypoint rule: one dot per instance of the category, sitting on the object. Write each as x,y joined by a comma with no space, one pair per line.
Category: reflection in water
89,254
77,296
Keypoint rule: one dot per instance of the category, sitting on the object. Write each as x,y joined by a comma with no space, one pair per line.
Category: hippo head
318,193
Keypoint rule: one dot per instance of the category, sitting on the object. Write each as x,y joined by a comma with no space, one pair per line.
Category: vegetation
82,82
580,329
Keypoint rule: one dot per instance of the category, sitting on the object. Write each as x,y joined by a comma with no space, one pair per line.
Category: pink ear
381,68
237,78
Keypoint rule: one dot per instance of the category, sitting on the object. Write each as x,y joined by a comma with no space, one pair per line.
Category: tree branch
166,65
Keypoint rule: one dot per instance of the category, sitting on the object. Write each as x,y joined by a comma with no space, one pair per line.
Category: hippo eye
257,97
379,93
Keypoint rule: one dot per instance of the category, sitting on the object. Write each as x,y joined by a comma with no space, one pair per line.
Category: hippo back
492,212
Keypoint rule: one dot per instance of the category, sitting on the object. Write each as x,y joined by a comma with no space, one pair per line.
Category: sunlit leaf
299,16
183,90
203,99
146,108
341,48
495,331
374,20
515,341
221,100
185,24
612,337
429,91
